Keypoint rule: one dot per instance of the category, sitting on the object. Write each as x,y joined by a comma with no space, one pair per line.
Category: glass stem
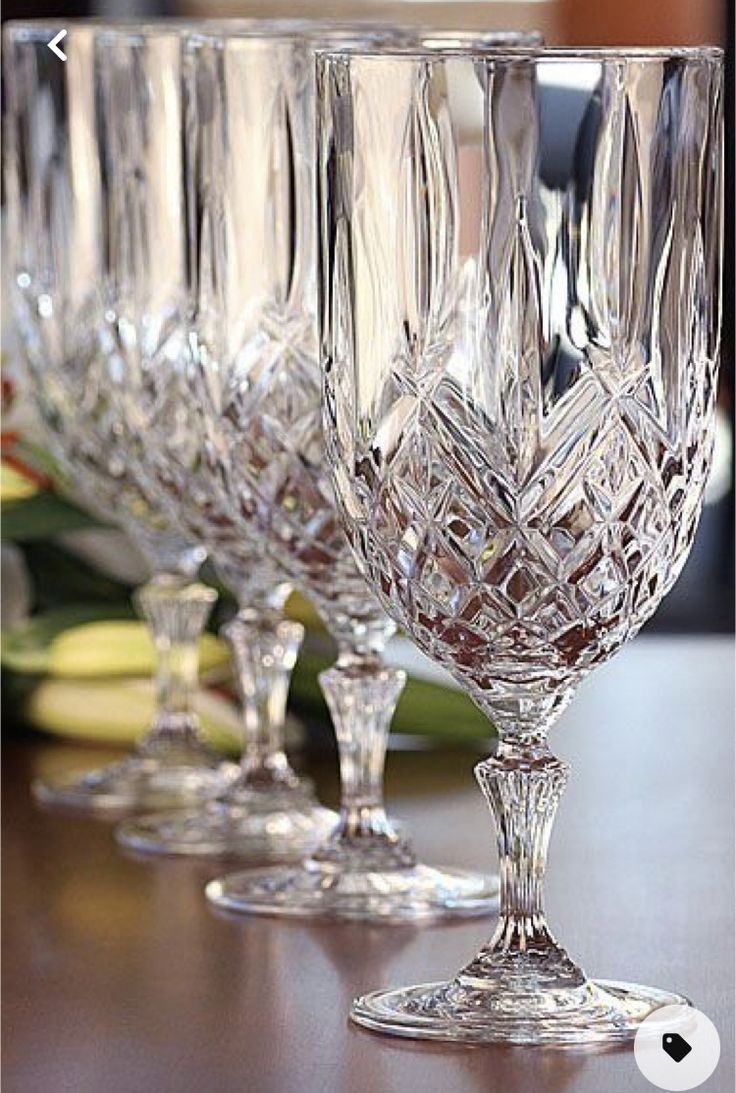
176,611
523,783
264,646
361,693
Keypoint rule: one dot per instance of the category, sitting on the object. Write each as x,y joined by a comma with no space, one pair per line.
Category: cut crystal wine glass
249,147
520,311
135,151
56,238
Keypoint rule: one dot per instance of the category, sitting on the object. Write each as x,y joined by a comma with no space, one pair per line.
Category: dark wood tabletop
118,977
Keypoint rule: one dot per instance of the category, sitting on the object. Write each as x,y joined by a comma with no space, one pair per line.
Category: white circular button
677,1047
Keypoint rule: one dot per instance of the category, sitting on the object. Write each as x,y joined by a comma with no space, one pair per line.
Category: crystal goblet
520,310
56,242
134,147
250,187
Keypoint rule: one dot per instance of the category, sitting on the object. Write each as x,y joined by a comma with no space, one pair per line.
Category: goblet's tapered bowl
520,307
68,228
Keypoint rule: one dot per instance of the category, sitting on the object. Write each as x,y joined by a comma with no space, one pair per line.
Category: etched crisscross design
520,447
274,468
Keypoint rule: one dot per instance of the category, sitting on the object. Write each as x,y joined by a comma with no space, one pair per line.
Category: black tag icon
675,1046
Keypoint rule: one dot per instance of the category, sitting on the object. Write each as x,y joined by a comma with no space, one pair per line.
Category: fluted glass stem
176,611
523,783
362,693
264,646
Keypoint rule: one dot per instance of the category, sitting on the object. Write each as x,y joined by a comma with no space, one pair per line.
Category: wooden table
119,977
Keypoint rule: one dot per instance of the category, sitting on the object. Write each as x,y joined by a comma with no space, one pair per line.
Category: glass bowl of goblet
56,244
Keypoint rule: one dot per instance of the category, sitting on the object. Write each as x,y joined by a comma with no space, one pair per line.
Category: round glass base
595,1012
141,782
263,825
417,893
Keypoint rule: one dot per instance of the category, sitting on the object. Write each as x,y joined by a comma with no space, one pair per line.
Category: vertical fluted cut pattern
520,312
523,787
176,613
90,215
362,696
264,649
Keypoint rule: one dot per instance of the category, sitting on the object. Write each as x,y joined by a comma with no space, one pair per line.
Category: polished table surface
119,977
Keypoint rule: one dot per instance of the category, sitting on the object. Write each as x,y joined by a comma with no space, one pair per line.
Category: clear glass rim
366,40
33,29
525,38
538,54
330,36
228,26
36,30
323,35
268,32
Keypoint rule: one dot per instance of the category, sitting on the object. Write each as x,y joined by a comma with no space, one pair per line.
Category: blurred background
584,22
60,571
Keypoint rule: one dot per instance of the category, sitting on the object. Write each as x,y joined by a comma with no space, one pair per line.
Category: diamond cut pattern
531,498
273,434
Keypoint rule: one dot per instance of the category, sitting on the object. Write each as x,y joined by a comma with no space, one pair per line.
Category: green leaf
62,580
42,517
39,457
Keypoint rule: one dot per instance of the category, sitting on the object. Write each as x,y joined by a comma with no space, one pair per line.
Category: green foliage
41,517
62,580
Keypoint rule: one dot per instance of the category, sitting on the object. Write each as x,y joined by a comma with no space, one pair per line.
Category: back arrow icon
54,45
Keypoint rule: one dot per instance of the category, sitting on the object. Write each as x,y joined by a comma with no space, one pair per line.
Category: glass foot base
594,1012
418,893
136,783
260,826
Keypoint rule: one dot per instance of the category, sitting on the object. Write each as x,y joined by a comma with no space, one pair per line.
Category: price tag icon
676,1046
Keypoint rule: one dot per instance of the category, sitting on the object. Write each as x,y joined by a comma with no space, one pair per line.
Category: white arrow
54,45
